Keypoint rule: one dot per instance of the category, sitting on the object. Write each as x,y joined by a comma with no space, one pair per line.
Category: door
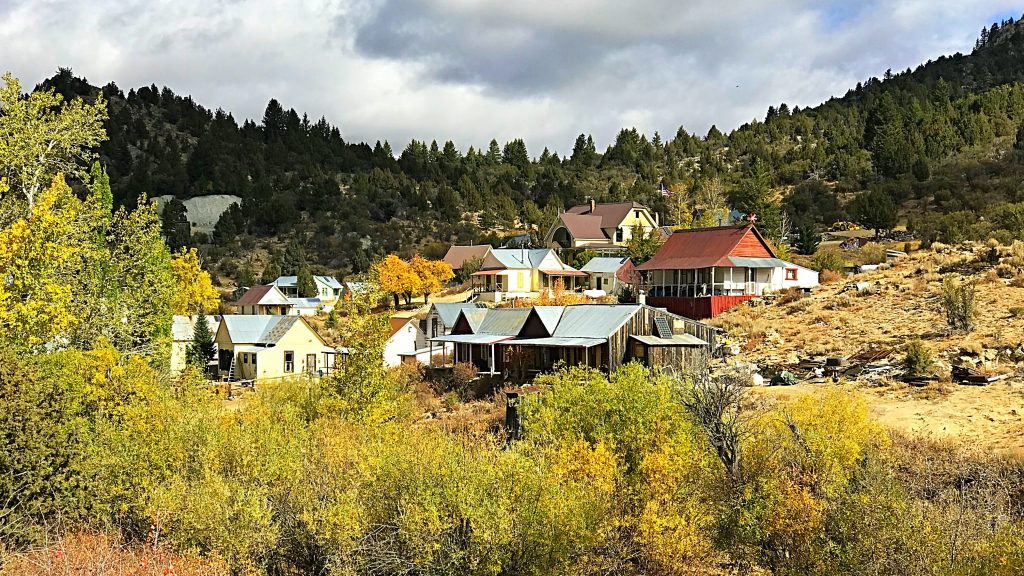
599,279
311,363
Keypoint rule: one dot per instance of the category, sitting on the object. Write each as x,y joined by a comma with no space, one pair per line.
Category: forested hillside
939,142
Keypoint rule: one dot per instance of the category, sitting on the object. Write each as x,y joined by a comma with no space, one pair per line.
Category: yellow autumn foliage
193,290
39,254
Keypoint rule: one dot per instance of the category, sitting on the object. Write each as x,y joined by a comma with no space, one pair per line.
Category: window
790,273
433,327
618,235
254,362
636,214
245,358
289,361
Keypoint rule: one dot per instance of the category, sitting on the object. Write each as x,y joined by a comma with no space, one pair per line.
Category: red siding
750,246
698,308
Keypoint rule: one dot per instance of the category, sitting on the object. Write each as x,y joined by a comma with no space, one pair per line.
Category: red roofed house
700,273
457,256
599,226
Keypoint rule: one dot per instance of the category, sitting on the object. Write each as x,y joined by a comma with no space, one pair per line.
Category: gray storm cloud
474,70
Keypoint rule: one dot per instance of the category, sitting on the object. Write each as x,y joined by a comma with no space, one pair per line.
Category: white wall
402,342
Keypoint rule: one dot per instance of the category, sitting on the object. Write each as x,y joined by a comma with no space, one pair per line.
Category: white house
306,306
266,299
328,289
522,273
406,342
182,331
594,226
610,274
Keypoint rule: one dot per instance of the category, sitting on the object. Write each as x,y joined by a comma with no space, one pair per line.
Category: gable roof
459,255
583,226
706,247
520,257
184,327
290,281
593,320
306,302
448,312
611,214
397,323
604,265
549,316
266,295
503,321
261,328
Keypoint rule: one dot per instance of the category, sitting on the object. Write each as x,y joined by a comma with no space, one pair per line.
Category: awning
564,272
675,340
472,338
557,342
747,262
488,273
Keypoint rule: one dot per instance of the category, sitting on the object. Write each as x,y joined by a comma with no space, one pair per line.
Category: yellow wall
270,361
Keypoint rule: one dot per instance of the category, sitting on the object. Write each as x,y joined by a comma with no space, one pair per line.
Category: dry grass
907,307
105,555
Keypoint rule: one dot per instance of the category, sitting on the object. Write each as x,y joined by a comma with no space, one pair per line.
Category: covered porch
704,282
526,358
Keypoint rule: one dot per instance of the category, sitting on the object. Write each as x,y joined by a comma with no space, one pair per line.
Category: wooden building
519,343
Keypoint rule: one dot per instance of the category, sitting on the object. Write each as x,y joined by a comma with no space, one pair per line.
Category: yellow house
264,347
596,226
508,273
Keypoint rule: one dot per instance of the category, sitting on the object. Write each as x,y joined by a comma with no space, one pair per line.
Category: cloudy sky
472,70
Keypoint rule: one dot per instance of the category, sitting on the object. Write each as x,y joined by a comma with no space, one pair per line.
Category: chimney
641,298
593,205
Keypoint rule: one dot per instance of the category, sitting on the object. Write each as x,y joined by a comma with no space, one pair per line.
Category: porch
707,282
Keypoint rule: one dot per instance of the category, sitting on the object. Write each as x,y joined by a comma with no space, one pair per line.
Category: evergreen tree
305,283
874,209
201,351
176,228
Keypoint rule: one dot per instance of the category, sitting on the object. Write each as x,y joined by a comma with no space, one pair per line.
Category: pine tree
305,283
201,351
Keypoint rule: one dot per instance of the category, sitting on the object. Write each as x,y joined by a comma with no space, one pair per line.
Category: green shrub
959,301
829,259
918,358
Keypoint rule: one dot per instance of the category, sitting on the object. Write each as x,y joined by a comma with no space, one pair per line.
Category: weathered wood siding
642,324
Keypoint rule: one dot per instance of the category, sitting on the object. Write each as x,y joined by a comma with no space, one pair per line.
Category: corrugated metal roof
747,262
593,320
291,281
306,302
700,248
474,316
604,265
556,341
520,258
329,281
472,338
676,340
549,316
449,312
257,329
184,327
507,321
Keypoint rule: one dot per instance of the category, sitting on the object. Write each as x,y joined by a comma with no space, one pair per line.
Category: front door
311,363
599,279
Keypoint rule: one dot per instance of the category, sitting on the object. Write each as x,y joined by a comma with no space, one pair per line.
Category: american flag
665,191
